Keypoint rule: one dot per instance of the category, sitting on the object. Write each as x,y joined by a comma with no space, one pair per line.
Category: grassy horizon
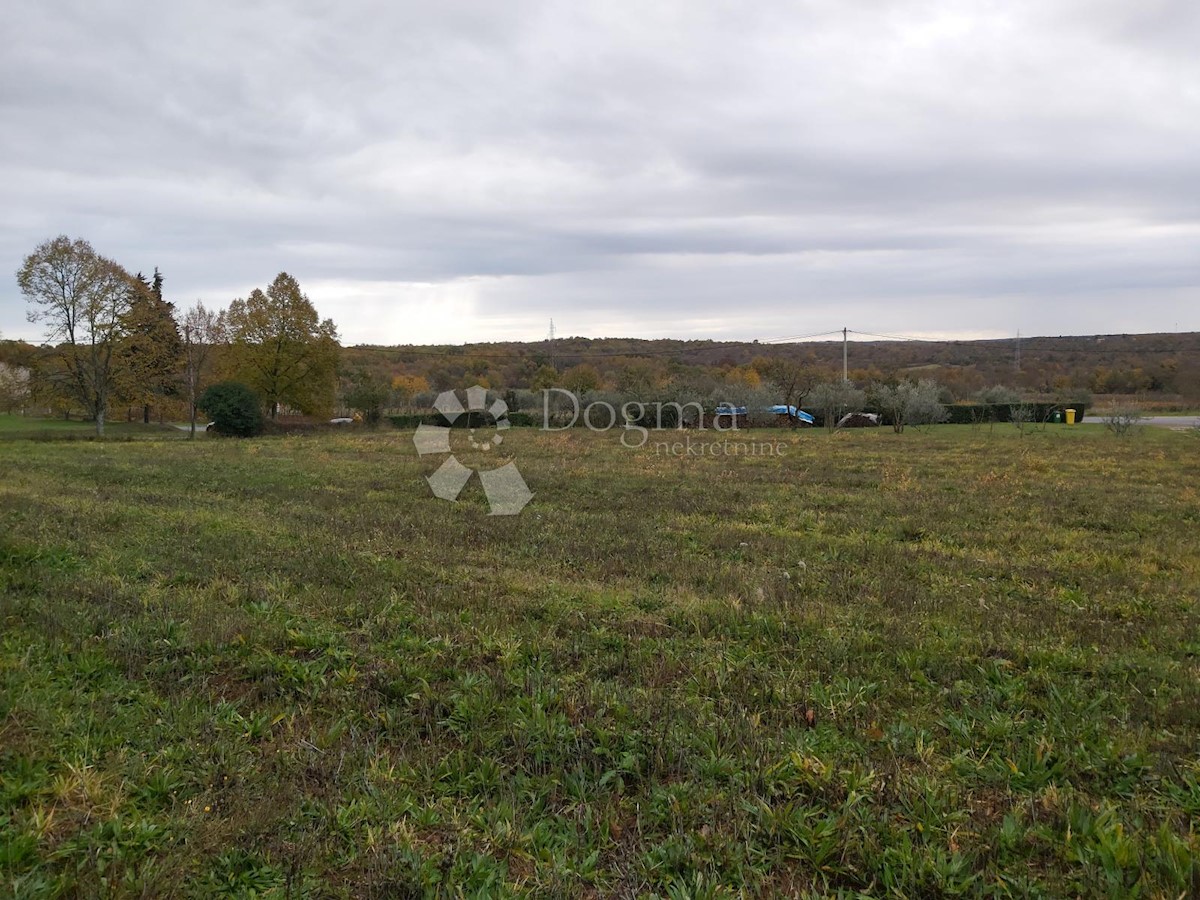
962,662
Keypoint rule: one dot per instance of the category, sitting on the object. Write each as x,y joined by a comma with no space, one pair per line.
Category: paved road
1176,422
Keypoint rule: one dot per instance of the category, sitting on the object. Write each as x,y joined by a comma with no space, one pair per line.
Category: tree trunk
145,413
100,421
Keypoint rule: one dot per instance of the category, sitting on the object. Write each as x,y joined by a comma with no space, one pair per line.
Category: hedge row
970,413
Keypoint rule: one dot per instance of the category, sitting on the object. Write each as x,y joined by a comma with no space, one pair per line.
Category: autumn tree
82,299
581,379
203,329
367,394
479,371
150,347
545,377
280,349
19,353
743,377
406,387
639,377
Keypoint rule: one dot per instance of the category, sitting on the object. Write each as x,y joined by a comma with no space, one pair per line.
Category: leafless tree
202,330
1021,415
1122,419
794,380
14,387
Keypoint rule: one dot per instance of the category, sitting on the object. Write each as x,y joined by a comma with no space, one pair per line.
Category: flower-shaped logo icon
506,490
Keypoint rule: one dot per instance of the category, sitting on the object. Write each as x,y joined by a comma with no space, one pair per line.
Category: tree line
1156,365
113,340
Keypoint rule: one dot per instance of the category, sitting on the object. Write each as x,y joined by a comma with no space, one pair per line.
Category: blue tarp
780,410
800,414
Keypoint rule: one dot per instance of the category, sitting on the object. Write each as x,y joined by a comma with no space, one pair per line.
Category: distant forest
1158,364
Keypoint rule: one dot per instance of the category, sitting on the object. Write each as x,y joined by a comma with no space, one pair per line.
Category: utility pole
845,355
550,342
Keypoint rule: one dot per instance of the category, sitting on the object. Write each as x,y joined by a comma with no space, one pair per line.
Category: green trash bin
1057,417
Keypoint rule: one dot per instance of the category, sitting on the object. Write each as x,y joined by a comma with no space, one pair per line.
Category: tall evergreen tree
150,349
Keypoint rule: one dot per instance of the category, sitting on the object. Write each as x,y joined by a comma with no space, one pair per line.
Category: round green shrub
234,409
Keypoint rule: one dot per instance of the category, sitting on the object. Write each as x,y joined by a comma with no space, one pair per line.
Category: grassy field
956,663
43,428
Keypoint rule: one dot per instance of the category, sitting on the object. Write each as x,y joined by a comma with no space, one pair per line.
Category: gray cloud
466,170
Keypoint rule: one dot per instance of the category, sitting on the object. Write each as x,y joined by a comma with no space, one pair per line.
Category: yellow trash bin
1070,417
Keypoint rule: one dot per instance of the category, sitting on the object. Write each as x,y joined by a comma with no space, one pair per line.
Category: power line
800,337
896,337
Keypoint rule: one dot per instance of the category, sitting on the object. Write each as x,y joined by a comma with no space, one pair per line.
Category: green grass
46,428
956,663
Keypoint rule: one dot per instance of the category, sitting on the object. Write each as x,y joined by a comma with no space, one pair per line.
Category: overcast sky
460,171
